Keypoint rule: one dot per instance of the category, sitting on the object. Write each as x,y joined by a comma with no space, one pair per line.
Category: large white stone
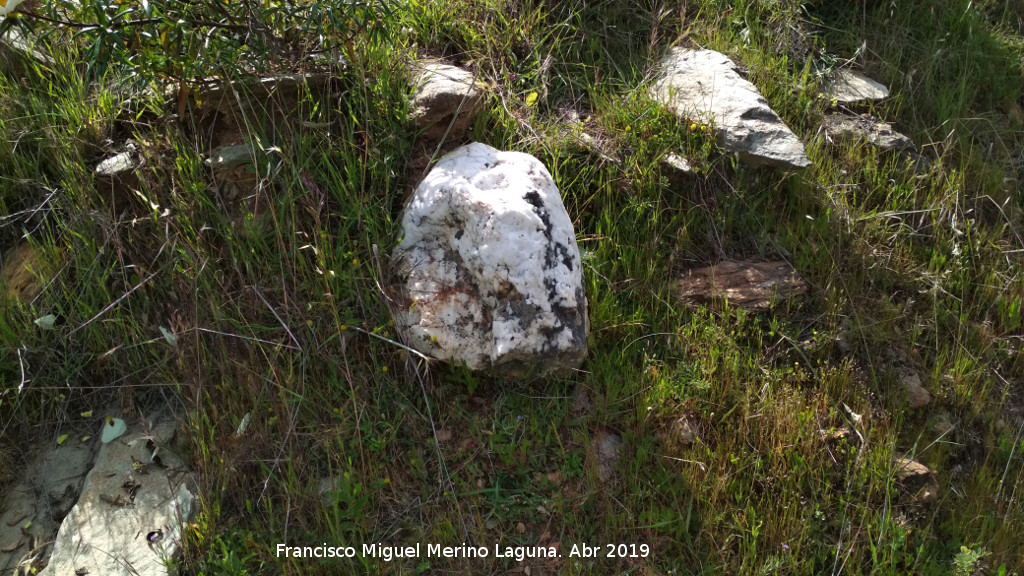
705,85
489,268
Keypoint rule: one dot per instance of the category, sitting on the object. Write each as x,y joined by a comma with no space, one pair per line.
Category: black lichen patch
533,198
555,251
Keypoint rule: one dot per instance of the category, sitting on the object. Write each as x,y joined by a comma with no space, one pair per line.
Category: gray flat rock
126,501
705,85
16,42
917,395
851,88
32,509
608,448
854,130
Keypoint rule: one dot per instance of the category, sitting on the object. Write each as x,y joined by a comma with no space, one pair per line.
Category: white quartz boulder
488,267
705,85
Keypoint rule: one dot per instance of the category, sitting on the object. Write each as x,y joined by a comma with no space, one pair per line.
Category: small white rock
119,164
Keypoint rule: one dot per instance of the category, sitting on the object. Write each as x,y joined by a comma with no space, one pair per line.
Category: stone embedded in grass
235,169
117,177
837,435
840,129
705,85
581,405
843,130
850,87
685,430
33,505
677,169
117,165
230,157
18,270
748,285
442,93
488,267
133,506
607,448
916,480
917,395
15,43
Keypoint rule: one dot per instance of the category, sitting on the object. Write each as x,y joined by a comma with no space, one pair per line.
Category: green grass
276,304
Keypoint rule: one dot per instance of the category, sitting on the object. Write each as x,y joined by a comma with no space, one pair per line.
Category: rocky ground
734,288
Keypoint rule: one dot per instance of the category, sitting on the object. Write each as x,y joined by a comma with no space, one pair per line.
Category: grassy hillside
274,294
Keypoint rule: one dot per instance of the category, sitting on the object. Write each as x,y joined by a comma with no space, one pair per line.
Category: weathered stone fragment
117,177
705,85
32,507
128,520
749,285
235,169
685,430
917,395
443,93
850,87
840,129
677,169
608,448
916,480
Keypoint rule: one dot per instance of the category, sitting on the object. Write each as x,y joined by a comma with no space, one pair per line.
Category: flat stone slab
34,506
748,285
840,129
16,42
850,87
488,270
705,85
129,517
228,157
